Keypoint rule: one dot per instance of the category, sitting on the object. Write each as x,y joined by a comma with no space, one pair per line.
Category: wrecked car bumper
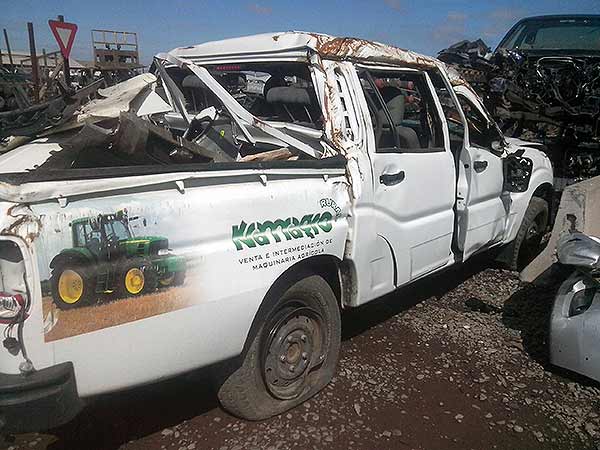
574,326
38,401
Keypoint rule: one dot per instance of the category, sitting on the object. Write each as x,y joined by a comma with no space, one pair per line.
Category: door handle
390,179
480,166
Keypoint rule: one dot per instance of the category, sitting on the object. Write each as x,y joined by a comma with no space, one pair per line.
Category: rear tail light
11,306
581,301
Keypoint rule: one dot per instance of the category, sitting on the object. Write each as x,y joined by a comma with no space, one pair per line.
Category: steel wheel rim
292,350
531,242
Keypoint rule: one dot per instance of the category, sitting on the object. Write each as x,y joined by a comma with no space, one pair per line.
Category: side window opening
80,237
481,132
281,92
402,111
456,127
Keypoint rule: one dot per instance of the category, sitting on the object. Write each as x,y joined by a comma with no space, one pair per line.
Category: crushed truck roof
295,45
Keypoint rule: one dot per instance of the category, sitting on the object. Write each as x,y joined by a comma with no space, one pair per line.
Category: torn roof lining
294,45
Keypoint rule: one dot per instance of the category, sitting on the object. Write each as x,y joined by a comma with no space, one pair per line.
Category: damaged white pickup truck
225,209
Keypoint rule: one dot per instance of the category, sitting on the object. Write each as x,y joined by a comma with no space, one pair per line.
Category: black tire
148,282
88,285
299,342
527,244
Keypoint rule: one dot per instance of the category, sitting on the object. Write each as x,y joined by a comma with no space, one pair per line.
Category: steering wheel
203,124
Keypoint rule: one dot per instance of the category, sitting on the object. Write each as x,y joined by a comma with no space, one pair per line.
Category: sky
421,25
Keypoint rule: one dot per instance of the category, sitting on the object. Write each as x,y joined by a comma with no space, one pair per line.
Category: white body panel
201,230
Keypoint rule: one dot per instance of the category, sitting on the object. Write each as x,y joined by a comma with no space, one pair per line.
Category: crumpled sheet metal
355,49
22,223
580,250
298,43
350,144
116,99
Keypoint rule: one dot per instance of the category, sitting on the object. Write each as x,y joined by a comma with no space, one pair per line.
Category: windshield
116,230
85,235
555,34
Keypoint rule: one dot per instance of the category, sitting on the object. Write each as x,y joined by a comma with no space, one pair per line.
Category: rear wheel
72,286
172,279
292,356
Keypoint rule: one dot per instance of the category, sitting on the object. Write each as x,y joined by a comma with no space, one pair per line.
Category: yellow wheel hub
134,281
70,286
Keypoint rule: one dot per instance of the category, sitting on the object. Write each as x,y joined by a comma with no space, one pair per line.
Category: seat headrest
192,81
288,94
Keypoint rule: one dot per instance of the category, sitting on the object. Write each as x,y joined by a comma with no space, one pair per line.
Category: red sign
64,33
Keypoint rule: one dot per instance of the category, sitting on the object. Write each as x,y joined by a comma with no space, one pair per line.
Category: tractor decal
107,259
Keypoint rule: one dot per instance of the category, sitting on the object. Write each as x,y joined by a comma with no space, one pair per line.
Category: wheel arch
71,256
329,267
545,191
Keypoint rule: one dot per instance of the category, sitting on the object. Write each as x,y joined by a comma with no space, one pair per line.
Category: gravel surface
457,361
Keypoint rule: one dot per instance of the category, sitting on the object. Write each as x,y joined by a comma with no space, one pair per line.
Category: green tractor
107,258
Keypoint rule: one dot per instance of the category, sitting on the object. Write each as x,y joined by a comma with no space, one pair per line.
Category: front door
484,219
413,170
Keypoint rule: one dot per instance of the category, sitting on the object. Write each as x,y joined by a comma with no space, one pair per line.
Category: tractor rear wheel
72,285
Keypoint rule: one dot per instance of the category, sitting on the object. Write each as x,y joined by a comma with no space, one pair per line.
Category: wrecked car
542,83
573,325
572,258
297,174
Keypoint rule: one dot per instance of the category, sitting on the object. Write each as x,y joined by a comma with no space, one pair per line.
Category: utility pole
66,68
35,76
8,48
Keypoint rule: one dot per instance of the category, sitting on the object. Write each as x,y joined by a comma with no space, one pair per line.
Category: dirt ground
107,312
453,362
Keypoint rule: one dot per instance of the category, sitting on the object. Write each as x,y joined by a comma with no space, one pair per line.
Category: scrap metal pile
31,119
543,83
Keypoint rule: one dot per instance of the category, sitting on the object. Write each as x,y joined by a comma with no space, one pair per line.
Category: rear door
484,218
413,170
